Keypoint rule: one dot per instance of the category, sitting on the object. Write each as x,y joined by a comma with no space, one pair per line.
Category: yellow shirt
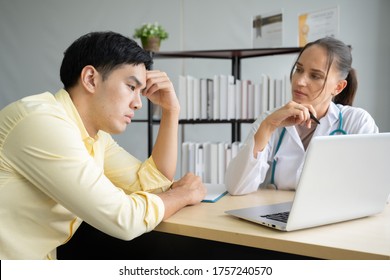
53,176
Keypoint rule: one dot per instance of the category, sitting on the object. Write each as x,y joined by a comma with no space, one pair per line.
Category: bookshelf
235,55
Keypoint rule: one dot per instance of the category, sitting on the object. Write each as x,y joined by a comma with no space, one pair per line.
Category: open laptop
344,177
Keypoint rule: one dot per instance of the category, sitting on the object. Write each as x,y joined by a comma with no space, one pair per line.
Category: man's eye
132,87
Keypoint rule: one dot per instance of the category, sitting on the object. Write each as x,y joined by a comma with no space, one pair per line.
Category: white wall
34,34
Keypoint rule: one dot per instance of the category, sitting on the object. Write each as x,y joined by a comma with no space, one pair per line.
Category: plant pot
151,44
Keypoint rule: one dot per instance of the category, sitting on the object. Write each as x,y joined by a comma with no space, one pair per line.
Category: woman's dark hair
340,54
105,51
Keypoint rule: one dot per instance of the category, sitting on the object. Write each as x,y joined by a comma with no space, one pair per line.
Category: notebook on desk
214,192
344,177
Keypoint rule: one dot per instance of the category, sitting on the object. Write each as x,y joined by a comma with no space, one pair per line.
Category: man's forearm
165,149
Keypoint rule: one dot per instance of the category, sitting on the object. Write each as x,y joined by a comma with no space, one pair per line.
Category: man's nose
136,104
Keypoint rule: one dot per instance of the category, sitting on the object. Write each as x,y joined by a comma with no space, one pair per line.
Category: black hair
340,54
105,51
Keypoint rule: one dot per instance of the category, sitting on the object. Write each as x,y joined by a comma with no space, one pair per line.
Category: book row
208,160
225,98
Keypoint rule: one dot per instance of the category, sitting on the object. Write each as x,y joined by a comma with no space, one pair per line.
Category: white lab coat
245,174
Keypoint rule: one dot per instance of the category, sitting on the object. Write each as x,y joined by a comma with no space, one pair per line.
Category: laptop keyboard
280,217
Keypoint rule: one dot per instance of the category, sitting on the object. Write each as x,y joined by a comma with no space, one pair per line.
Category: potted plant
151,35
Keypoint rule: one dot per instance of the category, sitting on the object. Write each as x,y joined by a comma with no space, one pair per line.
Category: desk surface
366,238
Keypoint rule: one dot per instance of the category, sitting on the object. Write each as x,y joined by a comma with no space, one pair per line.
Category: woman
323,88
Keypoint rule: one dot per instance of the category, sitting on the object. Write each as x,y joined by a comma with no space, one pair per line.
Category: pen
314,118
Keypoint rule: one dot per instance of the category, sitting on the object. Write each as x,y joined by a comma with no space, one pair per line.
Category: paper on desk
214,192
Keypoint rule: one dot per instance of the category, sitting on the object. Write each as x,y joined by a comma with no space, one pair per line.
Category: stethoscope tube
340,128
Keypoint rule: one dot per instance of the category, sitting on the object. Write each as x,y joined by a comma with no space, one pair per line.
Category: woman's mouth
299,94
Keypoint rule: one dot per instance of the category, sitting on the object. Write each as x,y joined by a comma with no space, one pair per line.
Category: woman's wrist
262,136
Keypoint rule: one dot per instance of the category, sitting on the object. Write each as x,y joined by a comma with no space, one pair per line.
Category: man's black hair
103,50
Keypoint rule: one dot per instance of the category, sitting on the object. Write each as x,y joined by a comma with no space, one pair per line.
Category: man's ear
89,77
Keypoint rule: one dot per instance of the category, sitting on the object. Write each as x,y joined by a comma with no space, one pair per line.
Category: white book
238,99
213,163
257,100
287,89
203,99
279,99
182,96
223,88
216,96
184,158
231,96
207,161
196,96
228,155
210,99
191,157
271,94
251,101
230,84
190,98
199,161
221,162
264,93
214,192
244,99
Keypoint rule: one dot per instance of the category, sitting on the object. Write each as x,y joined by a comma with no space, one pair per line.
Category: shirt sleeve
358,121
47,151
245,173
129,173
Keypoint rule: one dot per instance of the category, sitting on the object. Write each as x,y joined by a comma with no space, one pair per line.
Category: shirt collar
328,121
63,97
333,113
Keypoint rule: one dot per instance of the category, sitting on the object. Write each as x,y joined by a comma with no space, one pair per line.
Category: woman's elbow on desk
239,184
240,188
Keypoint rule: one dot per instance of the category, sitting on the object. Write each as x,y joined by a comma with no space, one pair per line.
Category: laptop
344,177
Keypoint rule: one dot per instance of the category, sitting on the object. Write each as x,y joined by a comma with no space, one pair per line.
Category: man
59,165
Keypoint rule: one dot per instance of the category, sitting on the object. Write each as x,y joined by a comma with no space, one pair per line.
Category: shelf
210,121
139,120
235,55
227,54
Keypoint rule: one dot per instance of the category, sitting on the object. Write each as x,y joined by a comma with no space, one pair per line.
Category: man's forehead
136,73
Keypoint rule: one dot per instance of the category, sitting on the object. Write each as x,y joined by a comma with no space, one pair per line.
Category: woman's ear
88,78
340,86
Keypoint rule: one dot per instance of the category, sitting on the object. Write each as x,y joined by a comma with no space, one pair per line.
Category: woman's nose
301,80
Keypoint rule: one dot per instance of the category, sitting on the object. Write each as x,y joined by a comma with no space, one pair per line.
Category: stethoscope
338,130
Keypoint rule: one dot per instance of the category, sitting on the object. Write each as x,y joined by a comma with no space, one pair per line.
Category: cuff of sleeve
262,155
155,210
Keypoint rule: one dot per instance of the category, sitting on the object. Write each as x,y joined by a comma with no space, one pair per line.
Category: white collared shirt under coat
245,174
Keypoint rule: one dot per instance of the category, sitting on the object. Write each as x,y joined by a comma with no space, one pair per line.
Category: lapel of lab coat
329,122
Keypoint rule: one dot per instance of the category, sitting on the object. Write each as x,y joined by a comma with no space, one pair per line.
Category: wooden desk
204,231
366,238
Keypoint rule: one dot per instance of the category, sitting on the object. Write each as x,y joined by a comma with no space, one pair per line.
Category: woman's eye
298,70
315,77
132,87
